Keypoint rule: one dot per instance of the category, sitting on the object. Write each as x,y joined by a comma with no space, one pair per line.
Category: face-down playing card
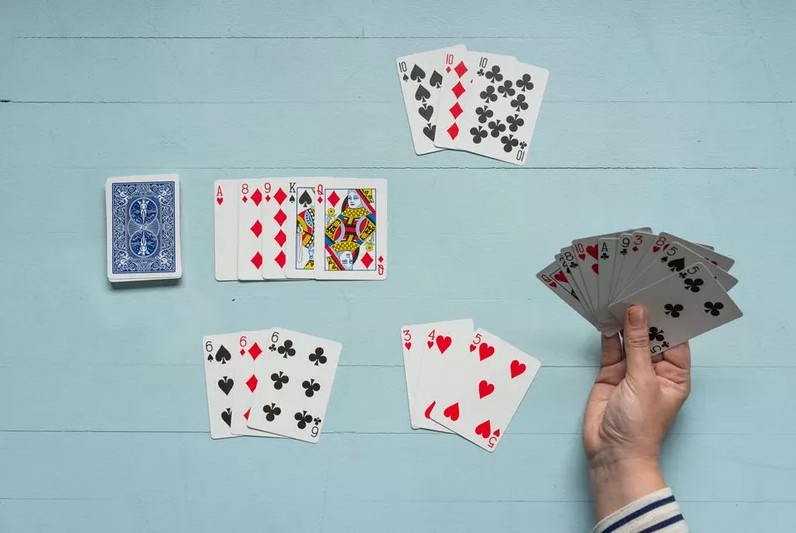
351,229
297,381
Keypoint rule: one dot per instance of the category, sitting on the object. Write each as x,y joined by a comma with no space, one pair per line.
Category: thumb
637,342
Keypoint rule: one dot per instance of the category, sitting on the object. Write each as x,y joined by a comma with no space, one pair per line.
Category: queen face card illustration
143,224
301,230
351,229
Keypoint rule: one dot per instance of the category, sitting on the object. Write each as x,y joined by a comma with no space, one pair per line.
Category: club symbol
279,379
693,285
317,357
525,83
271,411
656,334
494,74
311,387
515,122
480,72
507,89
272,348
673,309
223,355
478,134
496,127
604,256
664,344
317,421
714,308
509,143
488,94
519,103
523,144
303,419
623,251
286,350
573,264
484,114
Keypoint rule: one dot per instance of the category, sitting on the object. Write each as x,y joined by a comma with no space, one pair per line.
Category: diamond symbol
453,131
257,260
255,351
242,351
280,196
461,69
257,197
267,197
246,414
456,110
280,217
458,89
281,259
256,228
367,260
245,199
381,259
447,69
333,198
252,383
280,238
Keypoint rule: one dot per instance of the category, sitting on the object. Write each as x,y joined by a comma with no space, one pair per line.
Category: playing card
500,114
421,78
674,259
557,281
681,307
456,97
606,256
143,228
248,375
220,382
722,261
658,244
479,398
351,232
225,210
570,265
442,346
619,257
274,214
300,247
297,376
640,242
250,230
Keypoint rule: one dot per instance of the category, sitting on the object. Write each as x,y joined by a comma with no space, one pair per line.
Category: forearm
617,483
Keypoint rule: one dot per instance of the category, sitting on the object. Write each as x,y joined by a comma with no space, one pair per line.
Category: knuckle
638,340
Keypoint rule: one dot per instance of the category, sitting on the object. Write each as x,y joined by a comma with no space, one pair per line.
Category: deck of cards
682,284
482,103
300,228
143,228
269,383
462,380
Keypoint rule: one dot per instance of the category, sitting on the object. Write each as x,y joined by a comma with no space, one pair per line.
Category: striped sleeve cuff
656,512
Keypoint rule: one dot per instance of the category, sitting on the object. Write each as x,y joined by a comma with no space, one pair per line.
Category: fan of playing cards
300,228
269,383
464,381
143,228
483,103
683,285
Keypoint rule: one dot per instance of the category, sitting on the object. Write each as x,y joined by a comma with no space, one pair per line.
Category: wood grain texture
679,115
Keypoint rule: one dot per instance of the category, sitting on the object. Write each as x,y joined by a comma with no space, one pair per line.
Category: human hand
633,402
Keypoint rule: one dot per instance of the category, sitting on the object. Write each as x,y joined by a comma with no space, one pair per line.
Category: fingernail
635,315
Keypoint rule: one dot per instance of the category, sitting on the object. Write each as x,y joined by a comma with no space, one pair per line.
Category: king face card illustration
301,240
351,229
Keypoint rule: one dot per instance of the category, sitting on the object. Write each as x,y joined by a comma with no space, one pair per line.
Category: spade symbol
677,265
422,93
426,111
226,416
305,199
223,355
210,357
429,131
292,198
417,73
435,80
225,384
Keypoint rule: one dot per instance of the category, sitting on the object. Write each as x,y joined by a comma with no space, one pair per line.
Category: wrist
617,482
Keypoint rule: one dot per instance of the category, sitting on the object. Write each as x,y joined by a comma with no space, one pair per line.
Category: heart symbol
472,347
435,80
596,268
559,276
581,256
655,249
417,73
485,351
408,345
592,251
426,111
443,343
496,433
226,416
225,384
422,94
485,388
452,412
430,131
552,284
517,368
483,429
429,409
430,344
220,200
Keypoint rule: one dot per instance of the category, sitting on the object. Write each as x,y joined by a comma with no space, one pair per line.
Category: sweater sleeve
656,512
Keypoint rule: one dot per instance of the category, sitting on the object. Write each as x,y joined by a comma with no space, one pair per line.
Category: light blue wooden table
679,115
